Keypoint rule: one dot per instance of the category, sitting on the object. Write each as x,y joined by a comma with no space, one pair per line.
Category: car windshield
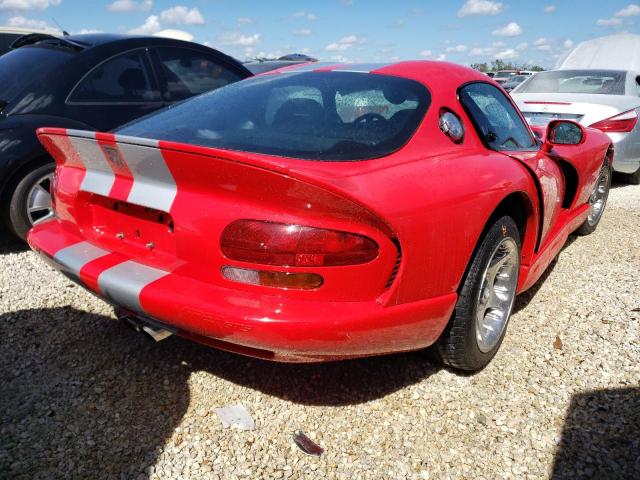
20,67
329,116
604,82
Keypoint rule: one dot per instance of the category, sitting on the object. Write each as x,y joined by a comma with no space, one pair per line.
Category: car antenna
64,32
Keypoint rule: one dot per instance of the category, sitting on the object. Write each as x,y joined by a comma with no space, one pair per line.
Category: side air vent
396,266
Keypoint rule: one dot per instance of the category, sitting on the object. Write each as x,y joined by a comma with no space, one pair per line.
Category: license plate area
543,118
133,230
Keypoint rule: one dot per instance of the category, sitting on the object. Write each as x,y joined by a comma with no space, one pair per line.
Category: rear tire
597,201
28,203
475,332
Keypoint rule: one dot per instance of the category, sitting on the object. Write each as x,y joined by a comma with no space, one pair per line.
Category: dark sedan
94,82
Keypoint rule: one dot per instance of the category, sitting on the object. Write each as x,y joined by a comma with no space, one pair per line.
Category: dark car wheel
31,200
474,334
597,201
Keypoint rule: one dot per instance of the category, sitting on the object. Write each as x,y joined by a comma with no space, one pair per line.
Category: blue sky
463,31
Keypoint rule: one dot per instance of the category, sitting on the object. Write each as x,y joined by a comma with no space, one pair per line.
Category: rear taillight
290,281
623,122
270,243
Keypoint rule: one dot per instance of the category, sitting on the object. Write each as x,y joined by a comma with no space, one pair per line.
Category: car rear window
21,67
605,82
331,116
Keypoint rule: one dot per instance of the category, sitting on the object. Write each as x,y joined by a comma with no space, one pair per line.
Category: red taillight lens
624,122
294,245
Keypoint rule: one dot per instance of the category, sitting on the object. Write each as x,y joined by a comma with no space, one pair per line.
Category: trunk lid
166,205
587,109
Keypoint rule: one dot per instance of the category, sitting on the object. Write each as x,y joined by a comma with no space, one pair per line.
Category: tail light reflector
294,281
623,122
270,243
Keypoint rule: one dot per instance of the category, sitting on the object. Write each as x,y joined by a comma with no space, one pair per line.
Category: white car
608,100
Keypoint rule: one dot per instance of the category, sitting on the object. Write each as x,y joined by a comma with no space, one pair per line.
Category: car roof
428,72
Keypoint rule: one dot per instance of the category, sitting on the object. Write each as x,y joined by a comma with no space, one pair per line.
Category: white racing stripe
153,184
123,283
71,259
99,177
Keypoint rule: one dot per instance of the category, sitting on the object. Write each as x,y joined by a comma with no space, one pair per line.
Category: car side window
495,118
638,86
121,79
186,73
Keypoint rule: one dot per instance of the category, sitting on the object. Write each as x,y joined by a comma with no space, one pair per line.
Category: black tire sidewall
17,215
459,347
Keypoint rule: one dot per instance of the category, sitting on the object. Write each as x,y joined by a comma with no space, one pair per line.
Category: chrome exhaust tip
153,329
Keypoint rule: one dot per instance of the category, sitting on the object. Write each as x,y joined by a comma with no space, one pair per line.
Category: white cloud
181,15
151,25
481,51
22,22
522,46
631,10
238,39
175,34
480,7
507,54
89,30
456,49
339,58
549,9
568,44
442,57
245,21
14,5
608,22
130,6
345,43
303,32
542,44
511,29
426,53
307,15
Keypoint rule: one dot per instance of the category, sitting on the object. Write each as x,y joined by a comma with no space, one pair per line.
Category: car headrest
299,111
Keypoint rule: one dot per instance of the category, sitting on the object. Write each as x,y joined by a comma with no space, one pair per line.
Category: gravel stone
83,396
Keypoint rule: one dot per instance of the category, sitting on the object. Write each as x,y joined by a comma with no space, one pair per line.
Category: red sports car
326,211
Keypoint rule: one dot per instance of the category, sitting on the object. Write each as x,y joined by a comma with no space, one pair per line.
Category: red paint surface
432,198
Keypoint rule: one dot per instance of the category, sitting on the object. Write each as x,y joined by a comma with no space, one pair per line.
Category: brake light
623,122
270,243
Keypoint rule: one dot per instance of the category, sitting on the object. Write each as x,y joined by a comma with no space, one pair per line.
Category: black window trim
476,127
150,71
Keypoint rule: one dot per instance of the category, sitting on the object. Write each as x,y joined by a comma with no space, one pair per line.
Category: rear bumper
267,326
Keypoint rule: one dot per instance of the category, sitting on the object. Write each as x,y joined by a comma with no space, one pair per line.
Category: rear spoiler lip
264,162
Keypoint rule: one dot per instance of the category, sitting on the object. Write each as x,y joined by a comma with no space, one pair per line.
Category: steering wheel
370,118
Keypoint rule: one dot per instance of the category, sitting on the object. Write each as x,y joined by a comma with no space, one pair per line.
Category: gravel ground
85,397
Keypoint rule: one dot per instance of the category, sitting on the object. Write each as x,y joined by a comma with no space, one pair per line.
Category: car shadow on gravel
601,436
79,385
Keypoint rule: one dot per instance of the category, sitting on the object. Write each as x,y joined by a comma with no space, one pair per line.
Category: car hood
585,108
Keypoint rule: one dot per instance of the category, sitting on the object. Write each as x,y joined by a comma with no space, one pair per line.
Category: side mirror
563,132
